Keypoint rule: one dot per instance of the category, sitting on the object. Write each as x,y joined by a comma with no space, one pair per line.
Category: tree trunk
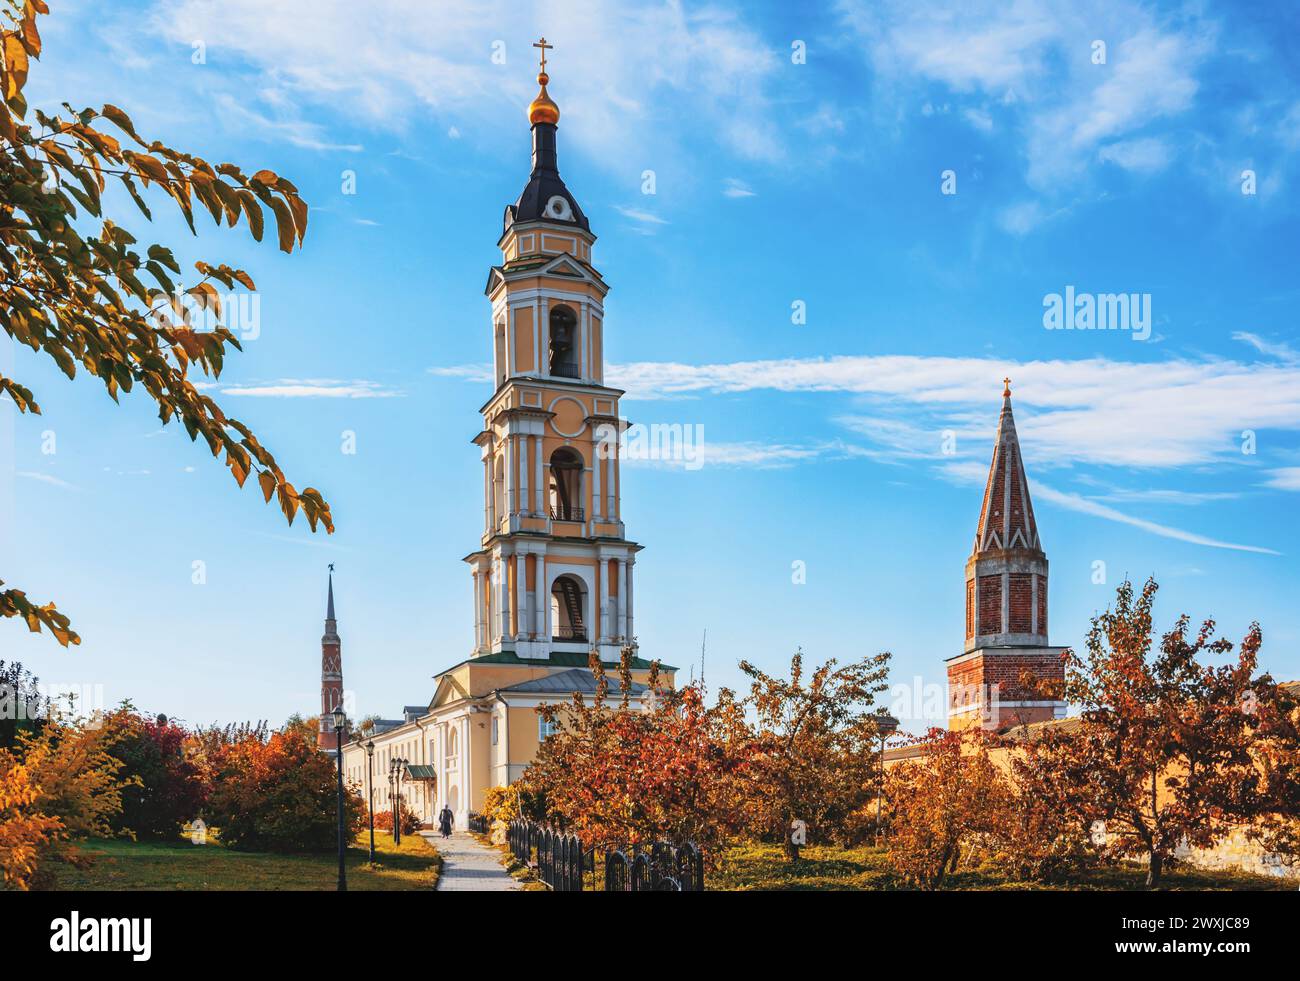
1154,869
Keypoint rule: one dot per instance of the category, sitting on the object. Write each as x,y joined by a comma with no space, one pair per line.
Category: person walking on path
445,819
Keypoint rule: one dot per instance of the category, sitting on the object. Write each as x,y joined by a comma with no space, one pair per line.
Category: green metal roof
557,659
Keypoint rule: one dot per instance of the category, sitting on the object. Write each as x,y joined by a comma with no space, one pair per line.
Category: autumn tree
58,785
1278,753
1036,834
814,745
25,834
616,773
78,287
1166,748
169,789
279,793
940,803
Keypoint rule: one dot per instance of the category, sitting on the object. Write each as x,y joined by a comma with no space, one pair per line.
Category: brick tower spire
331,673
1006,602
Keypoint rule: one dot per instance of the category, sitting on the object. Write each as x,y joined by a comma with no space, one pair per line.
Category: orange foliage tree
624,775
57,785
1167,748
24,833
279,794
941,803
813,746
76,286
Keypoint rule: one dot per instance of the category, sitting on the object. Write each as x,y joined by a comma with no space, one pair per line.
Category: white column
597,465
523,474
588,506
439,763
489,503
540,508
631,628
622,599
584,348
510,475
478,612
466,788
544,332
610,512
521,593
503,599
542,600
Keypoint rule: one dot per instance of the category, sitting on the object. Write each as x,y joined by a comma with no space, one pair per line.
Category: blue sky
775,181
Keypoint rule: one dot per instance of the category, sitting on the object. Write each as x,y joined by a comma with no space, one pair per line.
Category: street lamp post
370,794
340,720
392,799
399,765
886,726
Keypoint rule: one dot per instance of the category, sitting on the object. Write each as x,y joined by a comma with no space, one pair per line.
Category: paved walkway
468,865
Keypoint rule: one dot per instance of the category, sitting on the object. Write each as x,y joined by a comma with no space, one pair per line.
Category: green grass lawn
119,865
759,866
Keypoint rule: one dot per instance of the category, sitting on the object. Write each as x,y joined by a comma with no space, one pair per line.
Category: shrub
940,803
501,803
280,794
170,789
57,785
410,823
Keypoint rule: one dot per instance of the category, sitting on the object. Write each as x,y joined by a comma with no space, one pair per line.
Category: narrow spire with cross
541,43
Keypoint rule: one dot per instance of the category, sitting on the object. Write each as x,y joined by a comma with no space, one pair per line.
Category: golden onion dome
542,109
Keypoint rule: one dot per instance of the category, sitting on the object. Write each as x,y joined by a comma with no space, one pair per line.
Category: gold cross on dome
1007,383
544,47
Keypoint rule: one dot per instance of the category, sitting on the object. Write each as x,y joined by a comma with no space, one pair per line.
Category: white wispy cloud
315,388
1097,411
1166,414
1284,478
617,70
1033,59
1149,154
646,219
733,187
466,372
1273,349
46,478
309,136
973,473
940,412
1086,505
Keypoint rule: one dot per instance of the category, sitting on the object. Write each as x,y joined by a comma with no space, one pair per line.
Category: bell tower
554,569
331,673
994,682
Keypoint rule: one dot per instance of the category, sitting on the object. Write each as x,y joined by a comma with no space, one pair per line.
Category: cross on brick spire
1007,515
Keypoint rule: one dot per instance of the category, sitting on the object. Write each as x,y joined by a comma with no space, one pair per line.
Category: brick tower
1006,604
331,674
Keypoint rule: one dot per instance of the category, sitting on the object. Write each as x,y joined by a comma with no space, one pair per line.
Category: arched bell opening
563,346
566,485
568,610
